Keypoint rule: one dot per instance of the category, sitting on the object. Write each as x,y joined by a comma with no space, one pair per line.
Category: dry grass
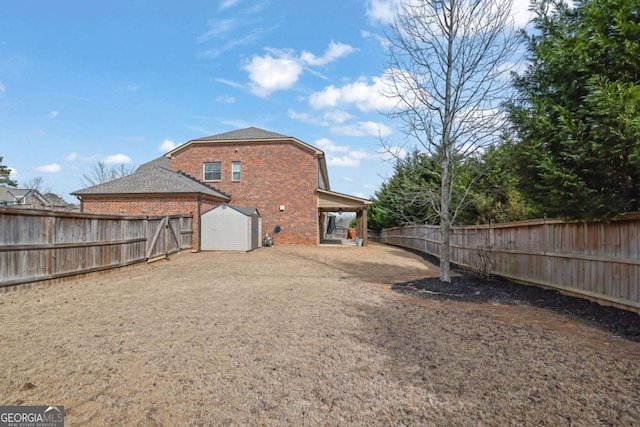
303,336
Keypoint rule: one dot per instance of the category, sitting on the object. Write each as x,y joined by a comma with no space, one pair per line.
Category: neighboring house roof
153,177
13,196
54,199
254,135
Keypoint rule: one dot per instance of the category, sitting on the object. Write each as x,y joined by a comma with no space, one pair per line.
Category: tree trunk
445,186
445,222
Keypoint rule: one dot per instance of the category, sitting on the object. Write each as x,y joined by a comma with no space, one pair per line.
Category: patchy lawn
304,336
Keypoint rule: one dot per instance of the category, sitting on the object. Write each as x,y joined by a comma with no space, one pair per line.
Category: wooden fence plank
600,261
42,245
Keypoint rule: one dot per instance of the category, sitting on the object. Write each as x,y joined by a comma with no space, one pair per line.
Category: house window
212,171
235,171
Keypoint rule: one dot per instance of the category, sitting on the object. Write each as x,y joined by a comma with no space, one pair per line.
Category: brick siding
272,175
152,206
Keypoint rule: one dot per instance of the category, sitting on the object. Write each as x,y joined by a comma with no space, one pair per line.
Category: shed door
224,230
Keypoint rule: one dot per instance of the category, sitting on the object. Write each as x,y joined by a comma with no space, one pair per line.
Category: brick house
284,178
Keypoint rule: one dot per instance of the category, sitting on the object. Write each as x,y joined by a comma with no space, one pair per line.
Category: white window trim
233,171
204,171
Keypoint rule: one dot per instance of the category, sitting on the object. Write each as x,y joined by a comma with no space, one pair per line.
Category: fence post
146,234
166,236
51,239
491,235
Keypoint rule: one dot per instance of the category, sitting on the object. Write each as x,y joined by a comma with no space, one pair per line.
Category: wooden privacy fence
598,261
41,245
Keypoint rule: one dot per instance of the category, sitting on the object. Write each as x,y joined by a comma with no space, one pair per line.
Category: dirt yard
294,336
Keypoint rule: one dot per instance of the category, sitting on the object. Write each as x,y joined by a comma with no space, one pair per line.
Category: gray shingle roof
155,176
244,135
244,210
10,194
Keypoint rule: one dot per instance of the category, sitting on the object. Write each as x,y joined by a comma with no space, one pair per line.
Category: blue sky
124,81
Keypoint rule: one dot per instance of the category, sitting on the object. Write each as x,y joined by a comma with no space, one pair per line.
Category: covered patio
330,201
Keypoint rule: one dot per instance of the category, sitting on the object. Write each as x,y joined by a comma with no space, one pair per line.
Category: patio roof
331,201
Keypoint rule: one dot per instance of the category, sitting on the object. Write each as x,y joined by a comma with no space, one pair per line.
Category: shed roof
153,177
247,211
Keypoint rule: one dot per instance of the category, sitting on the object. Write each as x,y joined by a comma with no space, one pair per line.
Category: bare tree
101,172
37,183
448,66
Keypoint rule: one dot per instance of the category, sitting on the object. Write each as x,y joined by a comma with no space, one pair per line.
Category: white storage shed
230,228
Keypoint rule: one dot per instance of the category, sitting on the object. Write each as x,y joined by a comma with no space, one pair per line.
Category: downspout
200,197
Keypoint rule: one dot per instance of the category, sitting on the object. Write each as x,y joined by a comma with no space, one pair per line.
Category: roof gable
252,135
154,177
12,195
248,134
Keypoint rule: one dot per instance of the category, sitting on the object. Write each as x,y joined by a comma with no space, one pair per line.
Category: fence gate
166,239
38,245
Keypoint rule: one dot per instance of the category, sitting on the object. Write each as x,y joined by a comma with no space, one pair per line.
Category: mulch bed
468,287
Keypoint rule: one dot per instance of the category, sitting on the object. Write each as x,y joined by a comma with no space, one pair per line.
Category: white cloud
350,160
73,156
53,168
347,179
226,4
334,51
167,145
392,153
118,159
382,11
329,146
230,83
217,28
269,74
53,114
384,43
3,88
327,119
13,173
367,97
305,117
343,161
337,116
226,99
521,13
367,128
220,48
129,88
280,69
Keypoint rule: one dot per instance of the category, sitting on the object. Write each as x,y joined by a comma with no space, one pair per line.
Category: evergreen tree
5,175
486,182
577,116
